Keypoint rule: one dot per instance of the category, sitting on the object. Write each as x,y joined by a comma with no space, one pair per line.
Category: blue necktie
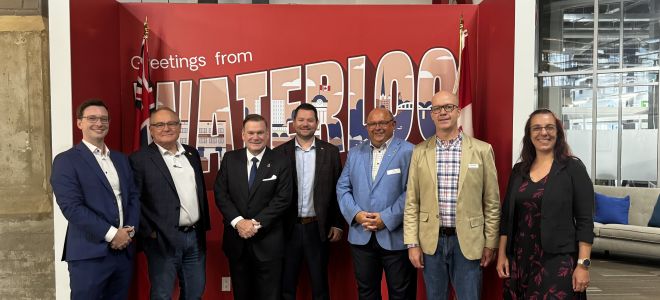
253,172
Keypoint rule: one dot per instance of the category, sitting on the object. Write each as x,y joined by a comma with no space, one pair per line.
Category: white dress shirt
104,161
247,168
184,181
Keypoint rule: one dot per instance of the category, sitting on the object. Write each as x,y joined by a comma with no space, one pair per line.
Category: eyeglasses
548,128
447,108
379,124
94,119
161,125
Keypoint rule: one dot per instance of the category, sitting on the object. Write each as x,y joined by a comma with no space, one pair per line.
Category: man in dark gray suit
175,213
314,218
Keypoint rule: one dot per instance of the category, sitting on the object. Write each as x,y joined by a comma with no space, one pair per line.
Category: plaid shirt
448,163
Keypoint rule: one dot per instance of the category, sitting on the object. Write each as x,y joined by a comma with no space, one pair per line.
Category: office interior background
593,62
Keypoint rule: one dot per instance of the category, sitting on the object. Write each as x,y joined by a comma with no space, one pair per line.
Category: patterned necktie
253,172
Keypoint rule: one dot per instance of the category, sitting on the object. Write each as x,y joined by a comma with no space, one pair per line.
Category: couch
636,238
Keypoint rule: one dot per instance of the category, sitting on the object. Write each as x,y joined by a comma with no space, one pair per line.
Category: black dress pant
254,279
305,243
370,260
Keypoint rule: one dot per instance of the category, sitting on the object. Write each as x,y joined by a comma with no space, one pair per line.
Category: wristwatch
585,262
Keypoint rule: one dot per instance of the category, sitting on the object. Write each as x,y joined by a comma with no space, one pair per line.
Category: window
598,71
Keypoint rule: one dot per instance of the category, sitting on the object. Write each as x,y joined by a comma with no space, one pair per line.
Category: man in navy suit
253,193
95,190
372,193
175,212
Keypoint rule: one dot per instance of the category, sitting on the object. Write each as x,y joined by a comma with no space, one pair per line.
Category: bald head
444,97
380,126
380,110
445,112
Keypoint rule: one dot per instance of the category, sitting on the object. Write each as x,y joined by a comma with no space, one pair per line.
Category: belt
307,220
187,228
447,231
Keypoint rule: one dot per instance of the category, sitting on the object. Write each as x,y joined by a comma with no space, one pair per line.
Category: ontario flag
464,84
144,98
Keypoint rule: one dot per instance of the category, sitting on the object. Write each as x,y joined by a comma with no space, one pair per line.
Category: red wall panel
95,61
100,41
494,101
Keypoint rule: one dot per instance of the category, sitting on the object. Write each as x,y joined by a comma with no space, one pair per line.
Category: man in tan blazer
452,211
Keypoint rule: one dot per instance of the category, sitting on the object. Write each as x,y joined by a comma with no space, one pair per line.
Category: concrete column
26,261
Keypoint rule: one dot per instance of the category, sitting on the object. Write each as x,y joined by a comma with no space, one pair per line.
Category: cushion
597,227
612,210
631,233
655,217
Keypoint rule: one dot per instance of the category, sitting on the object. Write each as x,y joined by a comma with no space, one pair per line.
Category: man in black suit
314,218
253,192
175,213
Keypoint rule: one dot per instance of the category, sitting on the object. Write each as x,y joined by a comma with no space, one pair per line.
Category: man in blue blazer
372,193
95,190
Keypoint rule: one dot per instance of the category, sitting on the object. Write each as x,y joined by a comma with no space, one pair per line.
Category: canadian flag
323,87
464,84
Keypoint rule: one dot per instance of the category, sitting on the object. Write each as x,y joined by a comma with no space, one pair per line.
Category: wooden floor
624,278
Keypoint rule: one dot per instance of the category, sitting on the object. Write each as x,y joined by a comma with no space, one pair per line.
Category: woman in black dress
546,227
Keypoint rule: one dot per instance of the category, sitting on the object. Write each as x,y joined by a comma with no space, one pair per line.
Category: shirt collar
258,156
449,143
383,146
96,150
313,146
163,151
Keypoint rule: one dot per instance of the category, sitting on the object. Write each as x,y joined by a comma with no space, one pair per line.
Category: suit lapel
391,151
159,161
431,159
89,158
466,158
365,150
320,154
291,151
241,174
121,173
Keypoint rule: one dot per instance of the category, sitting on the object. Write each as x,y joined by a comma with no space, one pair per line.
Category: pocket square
271,178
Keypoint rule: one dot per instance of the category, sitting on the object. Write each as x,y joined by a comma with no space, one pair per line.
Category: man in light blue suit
372,193
95,190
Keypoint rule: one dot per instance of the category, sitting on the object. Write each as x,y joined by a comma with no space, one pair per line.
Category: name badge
394,171
473,166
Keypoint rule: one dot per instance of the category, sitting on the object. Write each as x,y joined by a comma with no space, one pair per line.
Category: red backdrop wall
105,34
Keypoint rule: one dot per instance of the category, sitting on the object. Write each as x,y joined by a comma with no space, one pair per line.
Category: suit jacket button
437,216
177,208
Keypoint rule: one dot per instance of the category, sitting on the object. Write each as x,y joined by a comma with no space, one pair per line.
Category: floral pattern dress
534,273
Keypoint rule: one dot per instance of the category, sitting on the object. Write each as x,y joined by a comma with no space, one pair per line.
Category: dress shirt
184,180
104,161
305,169
247,169
377,155
448,163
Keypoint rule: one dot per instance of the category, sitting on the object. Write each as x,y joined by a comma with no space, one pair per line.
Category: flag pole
461,28
460,43
146,28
